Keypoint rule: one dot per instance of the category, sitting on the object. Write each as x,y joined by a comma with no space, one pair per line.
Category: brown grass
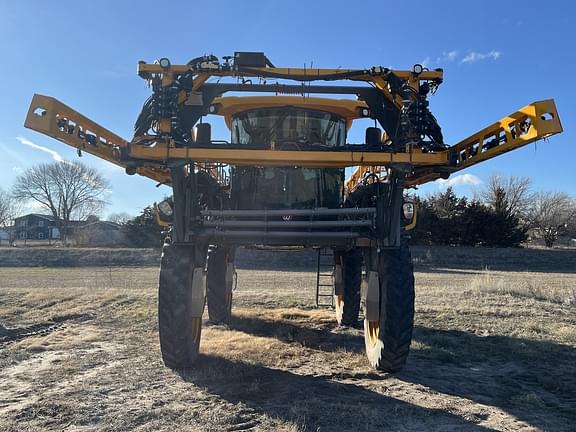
484,357
556,289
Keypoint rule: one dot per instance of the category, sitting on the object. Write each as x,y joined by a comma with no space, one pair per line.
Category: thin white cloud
473,56
447,57
451,56
55,155
459,180
455,56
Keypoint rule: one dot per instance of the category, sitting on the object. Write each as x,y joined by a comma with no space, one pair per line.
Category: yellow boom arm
531,123
57,120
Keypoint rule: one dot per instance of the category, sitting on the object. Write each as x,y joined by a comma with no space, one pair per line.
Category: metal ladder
325,278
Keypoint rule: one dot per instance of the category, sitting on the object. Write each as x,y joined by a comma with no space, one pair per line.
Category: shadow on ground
324,337
315,403
533,380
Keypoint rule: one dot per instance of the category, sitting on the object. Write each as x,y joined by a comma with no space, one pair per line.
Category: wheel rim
196,328
372,332
338,301
339,306
229,302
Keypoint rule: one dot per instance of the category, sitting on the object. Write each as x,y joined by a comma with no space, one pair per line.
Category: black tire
388,340
219,301
179,331
347,305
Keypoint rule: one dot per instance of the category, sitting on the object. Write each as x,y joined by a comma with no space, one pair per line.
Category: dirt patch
481,359
10,334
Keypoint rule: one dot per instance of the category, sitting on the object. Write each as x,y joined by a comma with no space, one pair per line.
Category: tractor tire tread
352,275
179,349
219,307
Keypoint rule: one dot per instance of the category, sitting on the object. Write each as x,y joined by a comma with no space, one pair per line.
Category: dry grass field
492,350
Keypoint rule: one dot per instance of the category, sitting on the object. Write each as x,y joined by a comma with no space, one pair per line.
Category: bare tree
5,205
550,215
9,210
119,218
508,195
67,190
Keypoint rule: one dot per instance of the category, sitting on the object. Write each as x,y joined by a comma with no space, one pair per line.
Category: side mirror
203,133
409,214
373,136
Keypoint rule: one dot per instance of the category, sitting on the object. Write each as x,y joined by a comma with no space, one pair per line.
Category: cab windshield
288,125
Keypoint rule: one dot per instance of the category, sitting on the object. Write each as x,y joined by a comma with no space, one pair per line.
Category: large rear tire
219,295
388,339
347,304
179,330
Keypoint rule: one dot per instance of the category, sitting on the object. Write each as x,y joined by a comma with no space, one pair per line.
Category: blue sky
497,57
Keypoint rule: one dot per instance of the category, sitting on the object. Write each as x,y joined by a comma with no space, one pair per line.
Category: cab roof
347,109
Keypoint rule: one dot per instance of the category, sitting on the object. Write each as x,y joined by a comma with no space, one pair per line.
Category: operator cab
287,123
288,127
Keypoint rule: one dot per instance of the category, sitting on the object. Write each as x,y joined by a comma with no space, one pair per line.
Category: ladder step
324,270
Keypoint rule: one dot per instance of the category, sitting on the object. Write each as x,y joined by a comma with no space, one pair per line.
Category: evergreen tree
447,219
143,230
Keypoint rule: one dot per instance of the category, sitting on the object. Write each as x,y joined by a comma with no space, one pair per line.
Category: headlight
417,69
164,63
410,215
165,209
408,209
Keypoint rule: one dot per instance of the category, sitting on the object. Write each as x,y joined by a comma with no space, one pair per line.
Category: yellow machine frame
363,220
541,117
53,118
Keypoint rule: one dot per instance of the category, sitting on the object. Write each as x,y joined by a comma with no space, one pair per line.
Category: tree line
506,213
72,191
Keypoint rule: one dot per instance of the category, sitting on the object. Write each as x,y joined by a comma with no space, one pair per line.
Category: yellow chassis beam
532,122
378,76
311,159
296,73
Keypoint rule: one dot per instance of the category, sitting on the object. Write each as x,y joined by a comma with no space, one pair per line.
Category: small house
36,226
